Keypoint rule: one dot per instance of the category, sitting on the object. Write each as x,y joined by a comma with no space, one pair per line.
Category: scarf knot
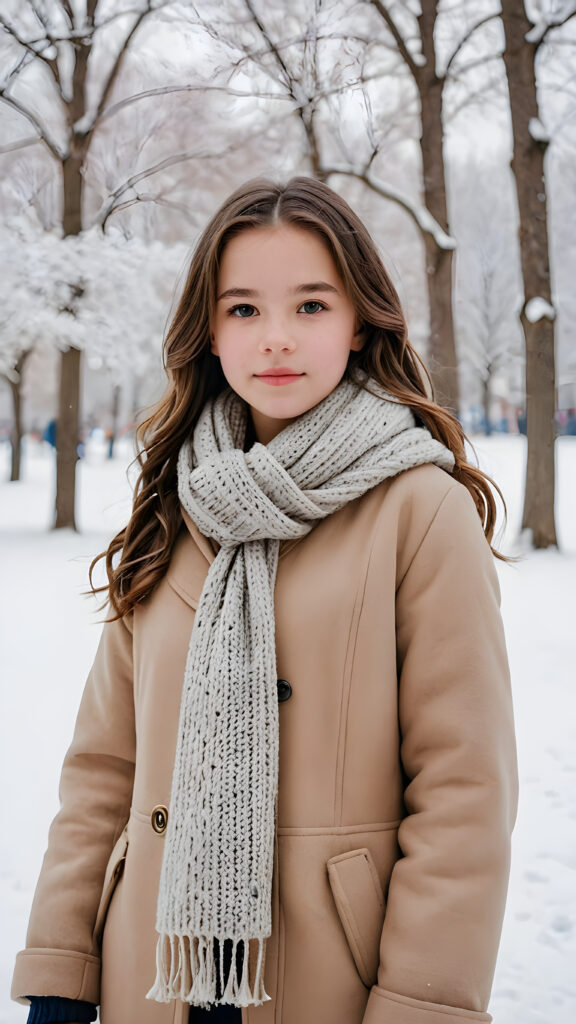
236,497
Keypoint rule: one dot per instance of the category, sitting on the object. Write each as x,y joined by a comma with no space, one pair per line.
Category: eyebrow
301,289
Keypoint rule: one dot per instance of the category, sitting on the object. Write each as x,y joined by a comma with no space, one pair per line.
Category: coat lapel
188,571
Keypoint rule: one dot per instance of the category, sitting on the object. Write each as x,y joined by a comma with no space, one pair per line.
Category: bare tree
13,378
524,38
487,283
56,43
420,61
327,57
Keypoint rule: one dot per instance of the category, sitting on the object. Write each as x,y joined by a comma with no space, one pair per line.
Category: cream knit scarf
216,877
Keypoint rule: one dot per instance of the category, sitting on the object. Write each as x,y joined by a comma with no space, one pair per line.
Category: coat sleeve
61,957
447,892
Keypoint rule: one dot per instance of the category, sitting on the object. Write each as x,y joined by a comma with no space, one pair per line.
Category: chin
284,410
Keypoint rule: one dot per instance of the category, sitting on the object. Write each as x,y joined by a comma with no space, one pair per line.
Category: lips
279,375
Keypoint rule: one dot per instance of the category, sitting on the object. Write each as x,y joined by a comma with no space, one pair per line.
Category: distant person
292,781
49,434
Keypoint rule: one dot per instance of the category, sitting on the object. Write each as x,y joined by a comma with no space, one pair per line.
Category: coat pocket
112,876
360,904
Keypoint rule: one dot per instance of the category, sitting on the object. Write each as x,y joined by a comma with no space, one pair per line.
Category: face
284,325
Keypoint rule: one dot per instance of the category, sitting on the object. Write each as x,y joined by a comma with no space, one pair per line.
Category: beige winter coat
397,788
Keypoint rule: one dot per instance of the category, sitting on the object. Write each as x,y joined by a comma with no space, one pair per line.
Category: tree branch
69,13
398,38
466,37
162,165
117,66
479,62
43,134
422,217
146,197
25,59
287,44
40,16
50,63
273,49
167,90
21,144
555,24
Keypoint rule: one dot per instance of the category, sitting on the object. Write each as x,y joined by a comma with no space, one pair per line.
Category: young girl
292,782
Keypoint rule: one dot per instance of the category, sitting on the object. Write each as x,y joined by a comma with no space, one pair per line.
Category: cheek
230,347
333,344
222,339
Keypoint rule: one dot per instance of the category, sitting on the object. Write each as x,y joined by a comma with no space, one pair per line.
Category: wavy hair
138,556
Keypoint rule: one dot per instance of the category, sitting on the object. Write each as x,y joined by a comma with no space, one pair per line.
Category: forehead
282,254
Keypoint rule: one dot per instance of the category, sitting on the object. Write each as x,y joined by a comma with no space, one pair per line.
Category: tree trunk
16,432
15,383
528,169
67,440
538,512
442,358
72,184
68,430
486,405
308,122
115,412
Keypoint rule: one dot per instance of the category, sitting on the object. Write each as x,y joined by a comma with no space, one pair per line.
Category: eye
312,306
243,312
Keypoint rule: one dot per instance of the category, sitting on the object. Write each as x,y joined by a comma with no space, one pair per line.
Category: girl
292,782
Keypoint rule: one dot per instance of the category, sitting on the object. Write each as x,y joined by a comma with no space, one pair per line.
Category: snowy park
49,635
450,130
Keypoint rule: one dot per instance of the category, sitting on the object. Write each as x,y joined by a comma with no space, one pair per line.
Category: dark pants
221,1013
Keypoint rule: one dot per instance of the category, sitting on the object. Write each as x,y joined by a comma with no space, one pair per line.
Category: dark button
284,689
159,818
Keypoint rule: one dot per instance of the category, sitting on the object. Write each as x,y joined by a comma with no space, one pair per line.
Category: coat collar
187,573
208,547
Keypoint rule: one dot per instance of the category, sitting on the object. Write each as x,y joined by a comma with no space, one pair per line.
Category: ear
213,344
358,339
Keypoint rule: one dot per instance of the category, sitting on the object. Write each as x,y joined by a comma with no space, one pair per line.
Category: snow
51,294
420,214
537,130
429,224
49,635
537,32
538,308
85,123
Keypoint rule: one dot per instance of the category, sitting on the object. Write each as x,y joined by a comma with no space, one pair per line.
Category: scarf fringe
186,969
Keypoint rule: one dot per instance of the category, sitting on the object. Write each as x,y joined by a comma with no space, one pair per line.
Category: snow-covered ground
48,637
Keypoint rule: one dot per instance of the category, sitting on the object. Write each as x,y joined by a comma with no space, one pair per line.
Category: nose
276,337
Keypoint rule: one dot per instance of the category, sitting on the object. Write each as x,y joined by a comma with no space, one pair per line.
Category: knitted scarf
216,877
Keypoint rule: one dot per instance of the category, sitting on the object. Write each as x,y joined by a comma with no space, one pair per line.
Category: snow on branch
538,131
538,31
544,25
422,217
101,293
539,309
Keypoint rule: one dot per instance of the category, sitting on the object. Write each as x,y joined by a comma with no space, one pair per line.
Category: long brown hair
145,545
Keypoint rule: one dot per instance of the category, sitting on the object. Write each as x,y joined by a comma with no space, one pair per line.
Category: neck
263,428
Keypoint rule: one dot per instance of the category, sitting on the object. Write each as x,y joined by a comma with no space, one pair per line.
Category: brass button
159,819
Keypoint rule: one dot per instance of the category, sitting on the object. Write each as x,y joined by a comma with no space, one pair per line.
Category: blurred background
450,126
